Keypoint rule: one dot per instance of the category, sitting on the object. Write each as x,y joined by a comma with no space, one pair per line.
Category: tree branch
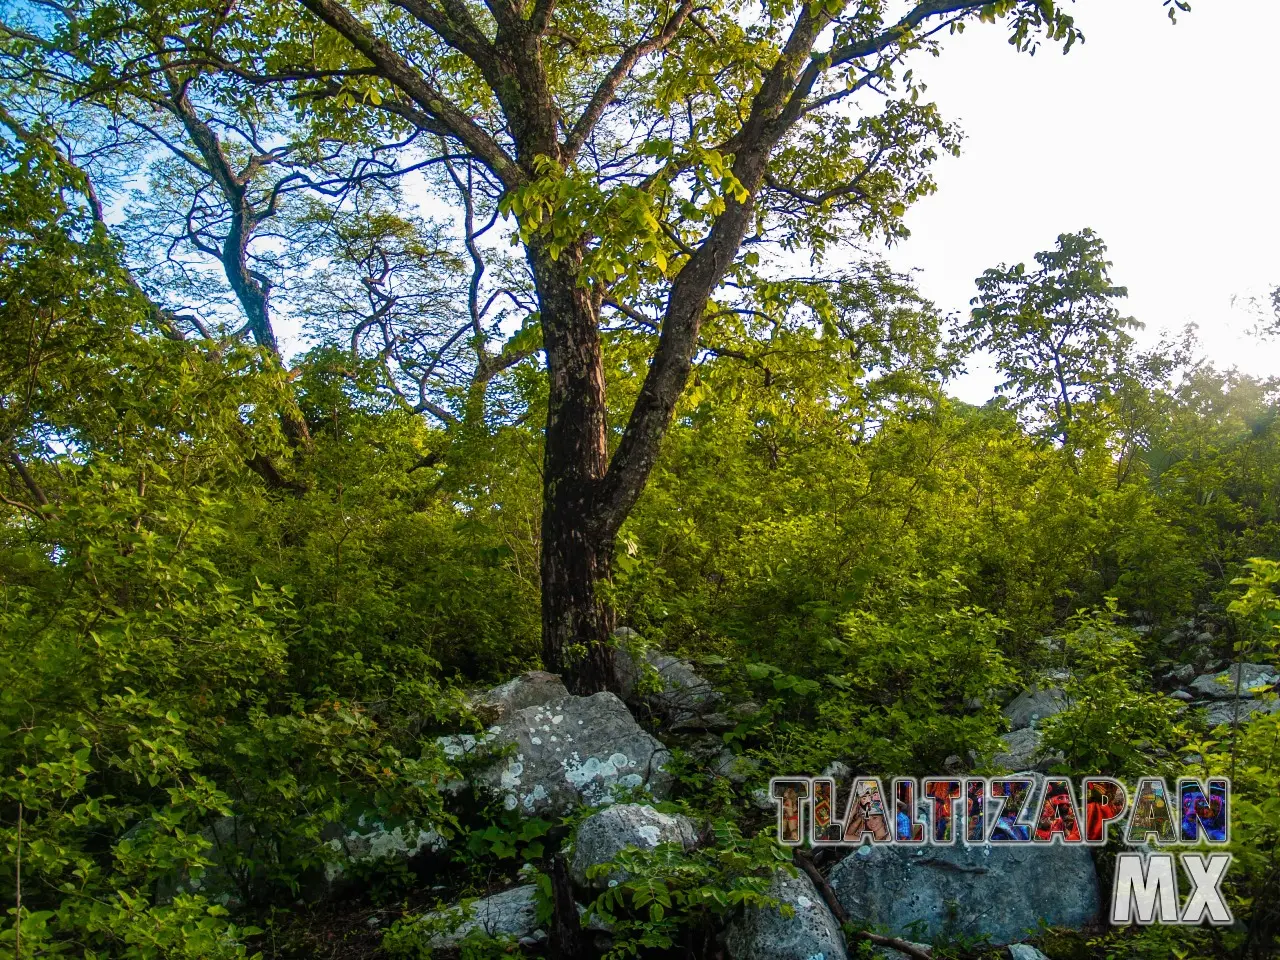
400,72
621,70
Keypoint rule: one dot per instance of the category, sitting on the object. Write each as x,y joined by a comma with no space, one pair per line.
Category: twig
837,910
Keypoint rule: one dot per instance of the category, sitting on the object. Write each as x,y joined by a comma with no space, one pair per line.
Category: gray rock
531,689
1229,712
239,863
511,913
681,697
1182,695
368,842
1001,891
1022,751
1204,637
812,932
1025,951
1181,674
761,800
604,835
569,751
838,771
1223,686
734,767
1033,705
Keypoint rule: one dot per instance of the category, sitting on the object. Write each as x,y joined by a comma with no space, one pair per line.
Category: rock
682,696
1204,637
1022,750
1033,705
511,913
1002,891
705,748
1174,637
1025,951
1182,695
1228,712
1057,677
734,767
1223,686
766,934
565,752
605,834
838,771
240,860
369,842
953,764
1181,674
532,689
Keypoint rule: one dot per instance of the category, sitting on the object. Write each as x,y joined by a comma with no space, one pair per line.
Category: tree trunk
577,546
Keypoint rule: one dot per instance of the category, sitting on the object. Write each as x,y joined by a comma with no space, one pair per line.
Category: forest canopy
356,356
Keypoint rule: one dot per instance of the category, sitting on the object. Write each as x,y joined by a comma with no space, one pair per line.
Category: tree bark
577,546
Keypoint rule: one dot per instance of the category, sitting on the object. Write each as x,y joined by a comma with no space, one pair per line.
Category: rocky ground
548,753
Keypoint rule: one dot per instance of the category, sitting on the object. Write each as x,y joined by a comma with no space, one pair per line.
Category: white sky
1162,138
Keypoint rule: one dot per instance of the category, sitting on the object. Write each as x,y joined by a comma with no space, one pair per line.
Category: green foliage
669,898
1112,724
1057,338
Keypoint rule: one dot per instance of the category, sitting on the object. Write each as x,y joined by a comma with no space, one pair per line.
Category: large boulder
811,933
994,890
1031,706
605,834
532,689
1223,686
552,757
512,913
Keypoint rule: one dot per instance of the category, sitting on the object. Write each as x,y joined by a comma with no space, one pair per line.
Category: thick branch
404,75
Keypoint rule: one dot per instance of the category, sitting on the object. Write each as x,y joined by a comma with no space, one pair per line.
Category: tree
661,165
1055,332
